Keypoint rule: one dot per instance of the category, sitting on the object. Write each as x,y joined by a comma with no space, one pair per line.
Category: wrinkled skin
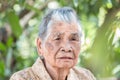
60,48
62,45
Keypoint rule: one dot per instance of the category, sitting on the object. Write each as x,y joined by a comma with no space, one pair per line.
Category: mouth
66,58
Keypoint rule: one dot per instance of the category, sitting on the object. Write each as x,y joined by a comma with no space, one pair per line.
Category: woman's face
62,45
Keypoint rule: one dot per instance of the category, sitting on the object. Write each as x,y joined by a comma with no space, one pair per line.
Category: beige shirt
38,72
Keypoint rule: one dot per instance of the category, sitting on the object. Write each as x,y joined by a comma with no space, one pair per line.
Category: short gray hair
65,14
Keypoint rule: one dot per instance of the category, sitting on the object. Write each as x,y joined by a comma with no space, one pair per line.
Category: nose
66,47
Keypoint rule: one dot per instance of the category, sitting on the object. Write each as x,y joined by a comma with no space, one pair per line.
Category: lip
67,58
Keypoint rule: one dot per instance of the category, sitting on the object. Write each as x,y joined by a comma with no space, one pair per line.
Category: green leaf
9,41
21,1
2,68
14,23
29,7
2,47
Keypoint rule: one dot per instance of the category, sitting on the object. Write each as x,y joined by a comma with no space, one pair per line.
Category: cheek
77,52
49,50
49,46
52,46
77,49
57,43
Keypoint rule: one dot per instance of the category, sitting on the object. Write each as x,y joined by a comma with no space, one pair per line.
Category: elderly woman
58,46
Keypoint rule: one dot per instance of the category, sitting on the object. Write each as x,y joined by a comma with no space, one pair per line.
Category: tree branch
28,16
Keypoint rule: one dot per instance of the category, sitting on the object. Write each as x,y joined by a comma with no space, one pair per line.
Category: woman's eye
58,38
73,39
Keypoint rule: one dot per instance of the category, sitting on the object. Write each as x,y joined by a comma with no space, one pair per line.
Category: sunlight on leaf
14,23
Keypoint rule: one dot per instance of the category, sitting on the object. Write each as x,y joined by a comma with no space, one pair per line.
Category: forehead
60,26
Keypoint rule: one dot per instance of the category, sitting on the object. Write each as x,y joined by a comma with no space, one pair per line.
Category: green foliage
101,24
2,47
2,69
14,23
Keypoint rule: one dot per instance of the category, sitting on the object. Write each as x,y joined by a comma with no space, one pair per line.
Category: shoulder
22,75
84,73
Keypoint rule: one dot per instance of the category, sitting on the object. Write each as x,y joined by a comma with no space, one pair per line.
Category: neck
57,73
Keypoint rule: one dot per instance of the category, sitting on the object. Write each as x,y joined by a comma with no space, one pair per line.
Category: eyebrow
76,34
58,34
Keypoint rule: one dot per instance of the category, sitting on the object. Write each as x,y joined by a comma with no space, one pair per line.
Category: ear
39,46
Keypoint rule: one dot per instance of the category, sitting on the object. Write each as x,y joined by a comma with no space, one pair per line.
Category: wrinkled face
62,45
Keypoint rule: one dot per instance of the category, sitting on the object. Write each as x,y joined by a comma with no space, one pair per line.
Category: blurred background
100,19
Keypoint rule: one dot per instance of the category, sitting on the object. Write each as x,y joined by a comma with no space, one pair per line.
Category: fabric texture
38,72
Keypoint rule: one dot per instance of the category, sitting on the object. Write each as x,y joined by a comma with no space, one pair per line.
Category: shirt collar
39,70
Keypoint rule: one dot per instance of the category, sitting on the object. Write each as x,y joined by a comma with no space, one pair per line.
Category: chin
65,66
